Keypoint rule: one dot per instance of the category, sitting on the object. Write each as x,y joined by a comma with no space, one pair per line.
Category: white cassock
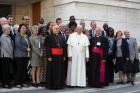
78,50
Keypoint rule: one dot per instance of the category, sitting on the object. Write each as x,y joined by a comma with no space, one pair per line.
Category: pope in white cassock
78,53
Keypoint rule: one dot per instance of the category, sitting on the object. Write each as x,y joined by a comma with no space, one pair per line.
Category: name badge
98,43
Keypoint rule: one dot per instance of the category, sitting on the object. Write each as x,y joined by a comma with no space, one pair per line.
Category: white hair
2,18
3,21
16,27
5,26
79,26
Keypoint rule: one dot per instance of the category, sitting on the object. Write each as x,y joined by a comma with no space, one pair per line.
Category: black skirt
120,63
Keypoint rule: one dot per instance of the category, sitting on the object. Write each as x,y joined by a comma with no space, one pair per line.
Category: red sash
57,51
102,65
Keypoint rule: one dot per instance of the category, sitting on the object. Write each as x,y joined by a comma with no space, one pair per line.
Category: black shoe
132,82
42,84
7,86
38,84
25,85
34,85
19,86
71,86
128,81
121,82
118,82
80,87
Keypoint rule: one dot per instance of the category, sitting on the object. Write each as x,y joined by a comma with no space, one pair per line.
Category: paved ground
113,88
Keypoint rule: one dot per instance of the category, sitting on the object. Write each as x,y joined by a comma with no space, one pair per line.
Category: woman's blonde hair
119,32
34,27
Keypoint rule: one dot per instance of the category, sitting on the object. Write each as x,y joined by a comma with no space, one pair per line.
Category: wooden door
5,10
36,12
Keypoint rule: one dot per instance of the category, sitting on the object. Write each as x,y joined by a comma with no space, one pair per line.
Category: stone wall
47,10
18,11
118,14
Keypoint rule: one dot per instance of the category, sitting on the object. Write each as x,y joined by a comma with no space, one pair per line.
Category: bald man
55,46
97,74
133,55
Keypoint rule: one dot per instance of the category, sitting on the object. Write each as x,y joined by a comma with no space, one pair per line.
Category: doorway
36,12
5,10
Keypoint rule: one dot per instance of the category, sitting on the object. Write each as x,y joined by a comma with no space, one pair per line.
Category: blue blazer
124,48
20,46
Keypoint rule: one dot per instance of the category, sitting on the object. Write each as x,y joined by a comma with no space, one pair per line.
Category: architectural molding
115,3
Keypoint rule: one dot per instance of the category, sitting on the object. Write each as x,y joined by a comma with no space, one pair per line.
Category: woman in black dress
110,63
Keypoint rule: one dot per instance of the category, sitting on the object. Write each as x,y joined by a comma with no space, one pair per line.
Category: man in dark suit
10,19
105,31
26,21
65,37
92,32
93,27
63,31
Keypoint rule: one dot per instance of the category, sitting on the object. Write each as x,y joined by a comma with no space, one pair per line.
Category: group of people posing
61,55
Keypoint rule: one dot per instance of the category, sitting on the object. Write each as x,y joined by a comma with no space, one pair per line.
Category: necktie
93,33
63,35
104,33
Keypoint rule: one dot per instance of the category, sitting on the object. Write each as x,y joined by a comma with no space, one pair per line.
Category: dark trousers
110,68
0,70
131,71
21,66
6,68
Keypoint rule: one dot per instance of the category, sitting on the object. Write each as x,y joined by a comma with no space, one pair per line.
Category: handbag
127,68
136,66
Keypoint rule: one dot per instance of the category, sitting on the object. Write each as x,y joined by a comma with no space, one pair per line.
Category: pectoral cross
78,40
